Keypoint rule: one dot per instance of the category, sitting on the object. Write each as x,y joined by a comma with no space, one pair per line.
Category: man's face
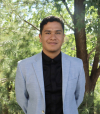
52,37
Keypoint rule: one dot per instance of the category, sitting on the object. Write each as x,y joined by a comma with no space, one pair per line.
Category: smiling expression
52,37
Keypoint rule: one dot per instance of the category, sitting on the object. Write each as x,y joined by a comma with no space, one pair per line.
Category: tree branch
68,10
66,23
26,21
98,73
94,78
98,70
88,56
97,54
96,60
31,25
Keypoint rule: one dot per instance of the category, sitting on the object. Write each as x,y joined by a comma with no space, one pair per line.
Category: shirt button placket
53,83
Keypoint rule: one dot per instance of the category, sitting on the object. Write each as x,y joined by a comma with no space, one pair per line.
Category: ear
40,37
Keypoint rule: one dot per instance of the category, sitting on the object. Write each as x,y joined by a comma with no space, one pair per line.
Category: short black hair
50,19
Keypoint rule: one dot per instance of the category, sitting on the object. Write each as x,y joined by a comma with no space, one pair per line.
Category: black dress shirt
52,71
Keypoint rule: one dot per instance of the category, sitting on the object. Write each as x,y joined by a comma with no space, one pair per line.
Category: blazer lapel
65,73
37,64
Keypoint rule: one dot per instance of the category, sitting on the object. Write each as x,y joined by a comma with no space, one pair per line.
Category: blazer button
42,111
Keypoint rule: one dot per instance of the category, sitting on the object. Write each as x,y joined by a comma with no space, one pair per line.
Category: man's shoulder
29,59
73,60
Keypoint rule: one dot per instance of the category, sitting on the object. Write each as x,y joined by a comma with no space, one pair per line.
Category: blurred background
19,30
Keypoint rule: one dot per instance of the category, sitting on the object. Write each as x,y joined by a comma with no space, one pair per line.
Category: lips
53,43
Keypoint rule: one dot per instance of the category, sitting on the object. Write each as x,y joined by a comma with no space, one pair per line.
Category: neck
52,55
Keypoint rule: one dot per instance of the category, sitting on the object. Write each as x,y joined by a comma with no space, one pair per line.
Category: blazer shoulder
29,59
73,60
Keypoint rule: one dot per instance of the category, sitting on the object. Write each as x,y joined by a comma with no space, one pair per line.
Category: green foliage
69,45
97,97
19,40
91,20
95,3
91,102
87,104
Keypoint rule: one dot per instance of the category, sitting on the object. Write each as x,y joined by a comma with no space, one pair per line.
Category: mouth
52,43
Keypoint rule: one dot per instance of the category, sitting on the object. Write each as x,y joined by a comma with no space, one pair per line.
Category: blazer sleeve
20,90
80,88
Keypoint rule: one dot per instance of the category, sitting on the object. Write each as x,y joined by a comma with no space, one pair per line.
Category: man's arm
20,89
80,89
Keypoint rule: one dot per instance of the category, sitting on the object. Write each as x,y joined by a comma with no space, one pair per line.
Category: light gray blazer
29,84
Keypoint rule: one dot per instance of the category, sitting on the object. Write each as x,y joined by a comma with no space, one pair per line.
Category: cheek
43,41
61,40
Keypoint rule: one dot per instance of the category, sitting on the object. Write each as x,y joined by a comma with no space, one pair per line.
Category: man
50,82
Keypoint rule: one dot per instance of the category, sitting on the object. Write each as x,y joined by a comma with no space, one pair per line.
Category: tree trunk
95,70
80,37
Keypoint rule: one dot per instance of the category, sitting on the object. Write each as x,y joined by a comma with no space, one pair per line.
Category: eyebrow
50,31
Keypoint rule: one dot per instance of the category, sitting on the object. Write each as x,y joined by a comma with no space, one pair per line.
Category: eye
58,33
48,33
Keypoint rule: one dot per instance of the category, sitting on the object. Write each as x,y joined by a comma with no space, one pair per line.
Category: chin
53,51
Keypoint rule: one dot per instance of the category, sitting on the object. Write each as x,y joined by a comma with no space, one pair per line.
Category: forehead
52,26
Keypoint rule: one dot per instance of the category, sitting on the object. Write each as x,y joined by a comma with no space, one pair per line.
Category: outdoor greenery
19,29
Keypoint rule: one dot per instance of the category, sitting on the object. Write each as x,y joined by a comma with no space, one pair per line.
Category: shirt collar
49,60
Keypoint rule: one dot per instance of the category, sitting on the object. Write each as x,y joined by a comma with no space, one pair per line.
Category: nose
53,36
